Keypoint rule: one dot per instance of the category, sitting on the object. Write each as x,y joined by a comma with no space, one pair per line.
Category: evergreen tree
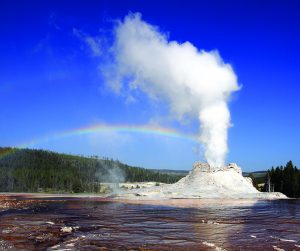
25,170
286,179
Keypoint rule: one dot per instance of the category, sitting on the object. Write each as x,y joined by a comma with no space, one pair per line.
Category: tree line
285,179
28,170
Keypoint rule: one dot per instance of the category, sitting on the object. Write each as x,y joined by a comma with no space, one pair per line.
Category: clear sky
50,82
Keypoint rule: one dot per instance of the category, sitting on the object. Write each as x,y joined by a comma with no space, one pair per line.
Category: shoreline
170,202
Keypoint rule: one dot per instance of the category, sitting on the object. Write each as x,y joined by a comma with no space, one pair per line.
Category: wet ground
28,222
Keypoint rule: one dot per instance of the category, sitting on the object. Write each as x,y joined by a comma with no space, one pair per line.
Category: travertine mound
205,181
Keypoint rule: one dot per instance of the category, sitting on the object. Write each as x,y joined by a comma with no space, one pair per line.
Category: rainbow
106,128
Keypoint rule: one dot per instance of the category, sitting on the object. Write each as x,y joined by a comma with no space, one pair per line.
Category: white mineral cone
205,181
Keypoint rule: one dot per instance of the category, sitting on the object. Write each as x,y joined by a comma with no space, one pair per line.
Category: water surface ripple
61,223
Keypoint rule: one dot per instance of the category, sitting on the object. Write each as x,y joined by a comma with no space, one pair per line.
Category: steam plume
195,83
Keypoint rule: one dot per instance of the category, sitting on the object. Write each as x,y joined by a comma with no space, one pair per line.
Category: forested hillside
25,170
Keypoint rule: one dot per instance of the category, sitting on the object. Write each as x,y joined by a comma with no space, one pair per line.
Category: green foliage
25,170
259,179
286,179
254,181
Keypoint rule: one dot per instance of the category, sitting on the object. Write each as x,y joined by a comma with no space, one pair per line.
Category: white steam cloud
195,83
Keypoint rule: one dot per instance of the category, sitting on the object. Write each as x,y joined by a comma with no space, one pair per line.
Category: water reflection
91,223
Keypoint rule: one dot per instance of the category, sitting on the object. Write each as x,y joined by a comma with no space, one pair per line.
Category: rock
66,229
208,244
205,181
235,167
205,167
202,167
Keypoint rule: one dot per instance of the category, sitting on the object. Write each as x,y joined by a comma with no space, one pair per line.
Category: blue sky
50,79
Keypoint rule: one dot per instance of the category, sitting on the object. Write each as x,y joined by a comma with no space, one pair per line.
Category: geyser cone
206,181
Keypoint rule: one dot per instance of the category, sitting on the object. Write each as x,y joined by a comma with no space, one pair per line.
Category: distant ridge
170,171
256,174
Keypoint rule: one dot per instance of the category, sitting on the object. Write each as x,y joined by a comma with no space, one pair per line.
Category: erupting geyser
193,82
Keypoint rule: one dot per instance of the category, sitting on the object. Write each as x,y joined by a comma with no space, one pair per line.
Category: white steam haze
193,82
